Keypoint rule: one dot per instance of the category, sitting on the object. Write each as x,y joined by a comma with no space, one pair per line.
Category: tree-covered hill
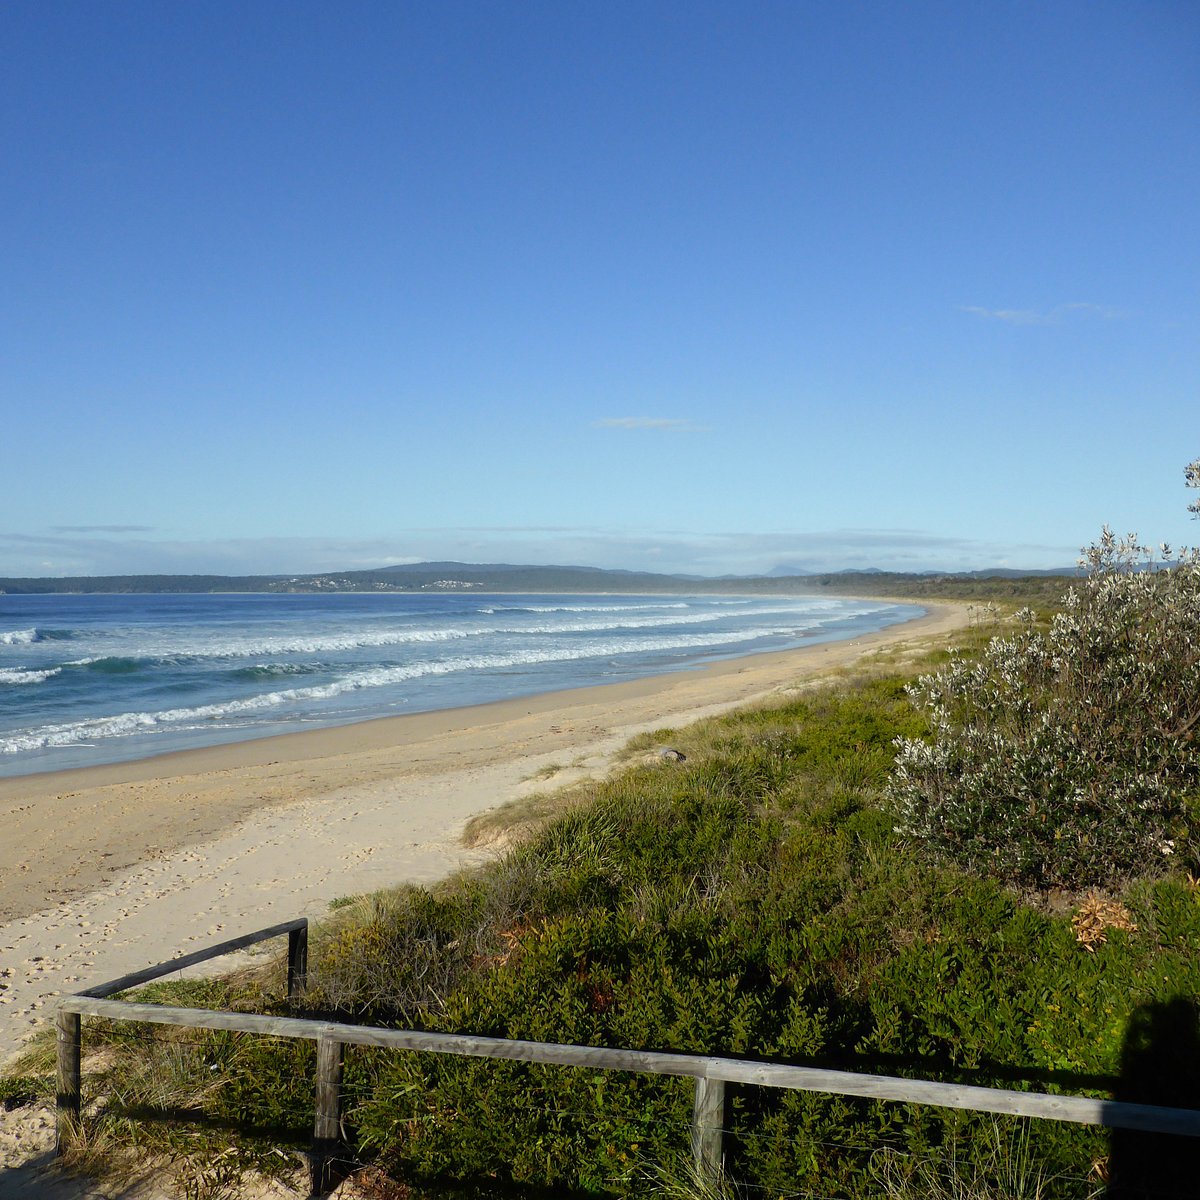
506,577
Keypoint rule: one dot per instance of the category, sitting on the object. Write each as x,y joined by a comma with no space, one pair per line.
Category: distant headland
506,577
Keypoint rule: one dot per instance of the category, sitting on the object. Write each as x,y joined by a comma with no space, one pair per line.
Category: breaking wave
18,637
112,665
124,724
13,675
27,637
273,671
581,608
348,642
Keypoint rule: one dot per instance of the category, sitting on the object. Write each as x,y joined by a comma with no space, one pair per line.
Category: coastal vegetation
978,864
1068,756
755,899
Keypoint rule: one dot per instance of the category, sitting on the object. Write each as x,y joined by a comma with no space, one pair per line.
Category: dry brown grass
1096,916
511,822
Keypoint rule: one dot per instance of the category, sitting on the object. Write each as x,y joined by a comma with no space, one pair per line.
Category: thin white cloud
1051,316
103,528
1096,310
100,553
1011,316
670,424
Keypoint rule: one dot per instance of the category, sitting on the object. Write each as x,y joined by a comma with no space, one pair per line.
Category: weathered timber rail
710,1073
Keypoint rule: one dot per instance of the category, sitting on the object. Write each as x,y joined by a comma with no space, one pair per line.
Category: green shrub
403,953
1072,757
260,1085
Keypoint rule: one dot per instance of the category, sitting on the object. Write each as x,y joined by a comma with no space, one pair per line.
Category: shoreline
109,868
142,761
321,740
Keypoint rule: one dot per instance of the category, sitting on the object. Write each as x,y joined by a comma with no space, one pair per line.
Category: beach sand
104,870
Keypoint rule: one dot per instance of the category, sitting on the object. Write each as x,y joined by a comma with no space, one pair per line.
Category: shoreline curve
105,869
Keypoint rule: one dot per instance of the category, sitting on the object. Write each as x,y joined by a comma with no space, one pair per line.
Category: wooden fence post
297,969
69,1054
708,1120
328,1122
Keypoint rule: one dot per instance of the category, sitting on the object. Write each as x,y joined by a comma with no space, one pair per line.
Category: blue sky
690,287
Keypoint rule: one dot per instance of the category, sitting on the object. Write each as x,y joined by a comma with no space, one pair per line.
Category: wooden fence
710,1073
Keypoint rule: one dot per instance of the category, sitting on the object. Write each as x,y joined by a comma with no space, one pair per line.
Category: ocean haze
92,552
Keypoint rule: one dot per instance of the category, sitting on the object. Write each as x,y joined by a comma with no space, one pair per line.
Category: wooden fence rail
69,1032
710,1073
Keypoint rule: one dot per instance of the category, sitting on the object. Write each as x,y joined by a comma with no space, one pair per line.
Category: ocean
89,679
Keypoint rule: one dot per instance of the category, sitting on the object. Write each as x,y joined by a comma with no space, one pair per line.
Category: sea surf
90,679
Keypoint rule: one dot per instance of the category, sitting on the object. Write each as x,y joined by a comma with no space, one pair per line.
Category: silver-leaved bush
1070,757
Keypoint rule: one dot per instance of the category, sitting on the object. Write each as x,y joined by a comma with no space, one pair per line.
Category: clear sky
693,286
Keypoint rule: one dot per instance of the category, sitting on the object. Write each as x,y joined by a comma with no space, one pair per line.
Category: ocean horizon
92,679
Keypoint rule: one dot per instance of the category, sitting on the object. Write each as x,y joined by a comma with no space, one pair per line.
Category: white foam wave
18,637
581,608
272,647
605,641
14,675
349,641
701,618
607,626
124,724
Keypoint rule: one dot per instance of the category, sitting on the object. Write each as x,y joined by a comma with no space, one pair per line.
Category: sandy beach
107,869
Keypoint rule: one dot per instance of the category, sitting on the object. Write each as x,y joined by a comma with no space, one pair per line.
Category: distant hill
510,577
428,576
140,583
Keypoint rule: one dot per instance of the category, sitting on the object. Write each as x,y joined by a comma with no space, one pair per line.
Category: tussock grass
548,771
20,1089
1000,1165
680,1180
510,822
